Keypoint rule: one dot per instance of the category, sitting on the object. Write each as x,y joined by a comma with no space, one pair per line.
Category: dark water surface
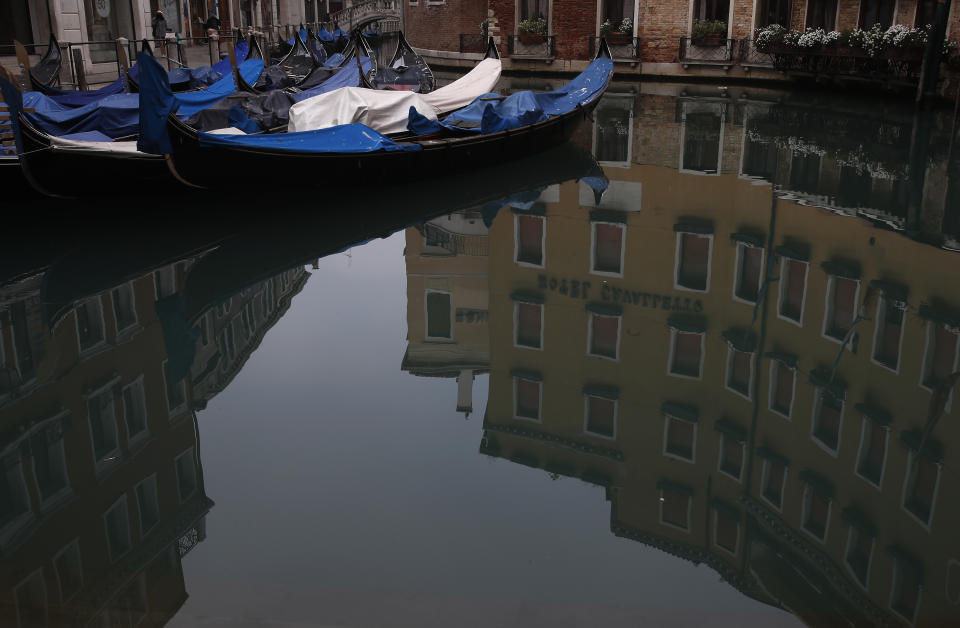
696,369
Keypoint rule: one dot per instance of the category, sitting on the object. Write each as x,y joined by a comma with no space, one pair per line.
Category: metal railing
750,56
626,48
456,243
693,51
473,42
360,12
532,47
891,64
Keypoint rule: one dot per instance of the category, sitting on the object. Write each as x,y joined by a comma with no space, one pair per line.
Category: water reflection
738,342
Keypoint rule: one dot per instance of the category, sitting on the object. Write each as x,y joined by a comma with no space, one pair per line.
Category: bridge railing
353,15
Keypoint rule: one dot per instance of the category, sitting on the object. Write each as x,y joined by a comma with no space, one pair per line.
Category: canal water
697,368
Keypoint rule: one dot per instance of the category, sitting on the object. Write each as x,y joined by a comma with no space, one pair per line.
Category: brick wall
798,19
439,26
661,25
742,19
574,22
657,133
848,16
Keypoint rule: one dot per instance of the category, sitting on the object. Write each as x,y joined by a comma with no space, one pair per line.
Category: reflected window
907,582
90,324
749,272
439,315
117,524
702,132
204,329
531,236
805,172
827,418
147,504
739,371
135,409
69,572
31,600
726,526
528,325
783,380
601,416
246,320
527,395
49,461
940,359
859,553
793,287
822,14
731,456
686,356
186,474
693,261
613,126
14,501
164,282
680,438
675,505
176,391
124,308
607,247
103,425
759,158
773,482
816,512
604,335
877,12
923,476
226,344
22,348
889,332
873,451
130,608
841,307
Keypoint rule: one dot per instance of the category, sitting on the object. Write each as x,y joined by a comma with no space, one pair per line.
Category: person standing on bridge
159,26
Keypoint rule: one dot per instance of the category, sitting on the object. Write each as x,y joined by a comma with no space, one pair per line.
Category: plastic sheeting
582,89
114,115
79,98
192,102
478,81
348,138
95,146
383,111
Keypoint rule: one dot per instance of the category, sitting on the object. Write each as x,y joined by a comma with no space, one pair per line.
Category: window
749,272
686,354
147,504
90,324
859,553
600,410
103,426
773,12
805,171
31,600
186,474
783,380
940,358
907,581
135,409
816,512
528,325
439,315
827,418
607,248
841,307
527,395
117,524
533,8
603,337
889,332
773,481
675,505
124,308
920,489
714,10
873,451
731,454
530,239
739,371
613,128
702,132
926,13
69,572
822,14
793,287
176,391
693,261
726,527
616,10
49,462
679,438
164,282
877,12
759,158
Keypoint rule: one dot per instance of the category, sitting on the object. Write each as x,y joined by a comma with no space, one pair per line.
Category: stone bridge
359,14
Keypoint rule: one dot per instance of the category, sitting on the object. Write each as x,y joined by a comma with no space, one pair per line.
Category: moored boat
406,71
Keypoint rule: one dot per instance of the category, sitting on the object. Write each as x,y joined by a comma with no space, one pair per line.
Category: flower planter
618,39
531,39
712,40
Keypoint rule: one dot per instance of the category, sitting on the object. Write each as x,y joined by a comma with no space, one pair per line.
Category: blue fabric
192,102
580,90
241,50
487,114
347,76
114,115
346,138
177,76
156,104
325,35
335,60
205,75
303,36
79,98
87,136
239,120
337,34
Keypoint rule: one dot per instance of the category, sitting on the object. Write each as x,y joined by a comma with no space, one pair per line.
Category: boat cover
335,60
114,115
347,76
347,138
384,111
406,70
192,102
325,35
388,111
100,146
79,98
303,36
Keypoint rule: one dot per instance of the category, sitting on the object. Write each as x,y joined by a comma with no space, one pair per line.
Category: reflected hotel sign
577,289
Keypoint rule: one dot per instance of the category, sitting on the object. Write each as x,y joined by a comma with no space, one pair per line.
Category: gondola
334,42
47,70
186,79
407,71
354,154
293,69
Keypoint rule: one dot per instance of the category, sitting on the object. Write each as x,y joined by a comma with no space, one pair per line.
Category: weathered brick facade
438,26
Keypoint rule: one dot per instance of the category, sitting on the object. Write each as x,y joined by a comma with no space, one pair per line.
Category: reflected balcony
533,48
695,52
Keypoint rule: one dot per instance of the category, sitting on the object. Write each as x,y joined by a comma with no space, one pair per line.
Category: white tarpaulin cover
387,111
117,148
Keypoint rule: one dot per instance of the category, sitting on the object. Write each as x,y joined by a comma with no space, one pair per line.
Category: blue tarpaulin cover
334,60
347,76
346,138
156,104
79,98
325,35
192,102
87,136
114,115
303,36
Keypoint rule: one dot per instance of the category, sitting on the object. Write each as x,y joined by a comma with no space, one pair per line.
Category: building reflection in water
677,343
102,492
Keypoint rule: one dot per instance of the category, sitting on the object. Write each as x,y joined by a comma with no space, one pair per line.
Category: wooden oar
24,60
